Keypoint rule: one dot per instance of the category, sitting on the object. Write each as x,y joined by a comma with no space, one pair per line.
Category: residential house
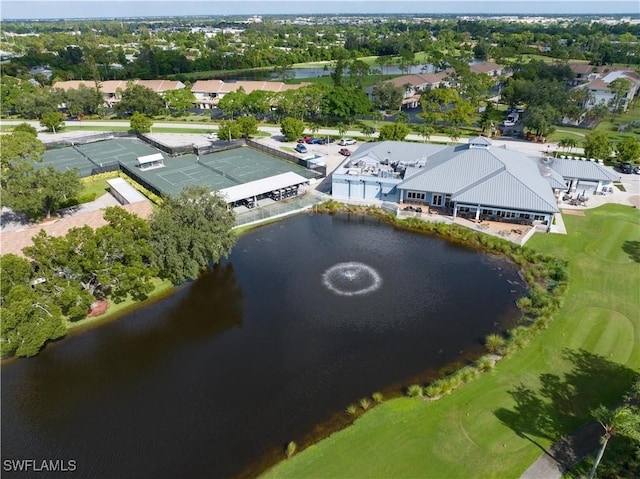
601,91
582,72
111,90
209,92
413,85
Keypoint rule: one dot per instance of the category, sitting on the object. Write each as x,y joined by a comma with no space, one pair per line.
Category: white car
347,141
508,123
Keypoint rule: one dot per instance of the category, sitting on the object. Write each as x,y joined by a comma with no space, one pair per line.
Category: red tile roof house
414,85
209,92
582,72
112,89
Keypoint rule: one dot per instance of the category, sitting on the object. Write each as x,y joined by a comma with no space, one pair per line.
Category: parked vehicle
314,141
636,170
625,168
305,139
508,123
324,141
345,152
301,148
347,141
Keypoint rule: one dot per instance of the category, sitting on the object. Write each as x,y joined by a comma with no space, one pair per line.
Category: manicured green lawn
497,425
95,187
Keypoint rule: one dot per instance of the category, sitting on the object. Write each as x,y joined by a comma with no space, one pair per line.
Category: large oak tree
190,233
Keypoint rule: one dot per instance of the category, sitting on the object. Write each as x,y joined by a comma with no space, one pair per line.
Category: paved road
517,144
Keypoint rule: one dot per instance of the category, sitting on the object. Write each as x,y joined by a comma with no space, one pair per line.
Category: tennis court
246,164
222,169
111,152
217,170
176,174
66,159
91,157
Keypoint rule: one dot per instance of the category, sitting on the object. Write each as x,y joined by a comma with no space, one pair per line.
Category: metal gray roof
482,174
583,170
506,190
396,151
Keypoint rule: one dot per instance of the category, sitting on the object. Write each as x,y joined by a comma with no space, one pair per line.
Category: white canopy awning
260,187
144,160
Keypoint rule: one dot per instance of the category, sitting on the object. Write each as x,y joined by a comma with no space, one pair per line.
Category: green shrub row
100,176
149,194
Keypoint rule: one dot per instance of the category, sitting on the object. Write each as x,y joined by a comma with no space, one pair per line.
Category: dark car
345,152
625,168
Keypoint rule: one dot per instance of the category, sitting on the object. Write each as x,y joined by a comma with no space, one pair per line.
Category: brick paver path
14,241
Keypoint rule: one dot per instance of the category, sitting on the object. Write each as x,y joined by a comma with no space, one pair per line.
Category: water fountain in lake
351,279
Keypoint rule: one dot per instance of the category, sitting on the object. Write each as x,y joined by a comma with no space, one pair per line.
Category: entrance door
437,200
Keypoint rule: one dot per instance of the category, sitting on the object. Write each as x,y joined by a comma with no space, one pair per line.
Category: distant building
413,85
111,90
209,92
599,87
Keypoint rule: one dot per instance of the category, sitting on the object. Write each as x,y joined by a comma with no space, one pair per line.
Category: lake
307,315
266,75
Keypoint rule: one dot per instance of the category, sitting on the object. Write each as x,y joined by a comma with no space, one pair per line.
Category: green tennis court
66,159
111,152
218,170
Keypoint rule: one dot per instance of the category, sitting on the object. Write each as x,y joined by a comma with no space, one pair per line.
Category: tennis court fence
320,171
280,208
83,140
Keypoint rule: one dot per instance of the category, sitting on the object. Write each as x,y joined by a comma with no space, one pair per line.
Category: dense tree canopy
394,132
597,145
139,99
140,123
191,232
387,96
112,261
628,149
52,120
291,128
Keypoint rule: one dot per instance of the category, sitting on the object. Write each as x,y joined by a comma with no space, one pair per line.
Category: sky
51,9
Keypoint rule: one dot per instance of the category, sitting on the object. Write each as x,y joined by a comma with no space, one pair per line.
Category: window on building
415,195
539,217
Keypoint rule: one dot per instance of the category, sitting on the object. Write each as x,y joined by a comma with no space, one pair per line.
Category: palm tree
568,143
425,131
624,420
342,128
313,128
494,343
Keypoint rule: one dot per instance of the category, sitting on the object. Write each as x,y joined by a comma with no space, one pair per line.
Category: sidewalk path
565,453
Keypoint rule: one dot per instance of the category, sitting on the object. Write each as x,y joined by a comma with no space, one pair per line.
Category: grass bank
161,289
498,424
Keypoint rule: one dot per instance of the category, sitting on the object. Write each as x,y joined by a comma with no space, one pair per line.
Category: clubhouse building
477,180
